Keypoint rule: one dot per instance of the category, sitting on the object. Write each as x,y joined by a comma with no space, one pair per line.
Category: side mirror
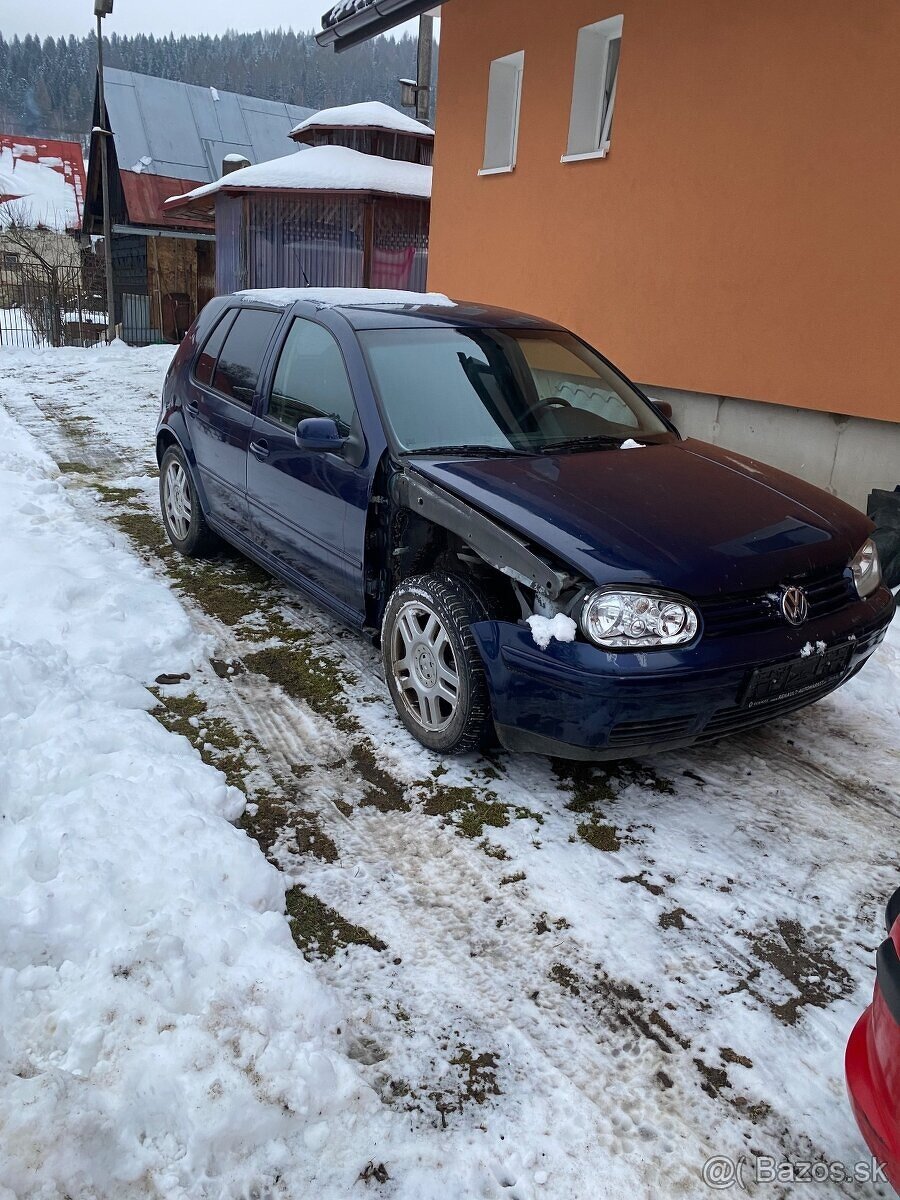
319,433
664,407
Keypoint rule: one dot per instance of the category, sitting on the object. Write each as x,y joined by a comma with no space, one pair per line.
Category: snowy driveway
520,978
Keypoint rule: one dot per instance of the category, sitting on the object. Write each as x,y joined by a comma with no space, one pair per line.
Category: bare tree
49,275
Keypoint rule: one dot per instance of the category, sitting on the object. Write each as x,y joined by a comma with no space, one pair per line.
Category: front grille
755,612
740,717
664,729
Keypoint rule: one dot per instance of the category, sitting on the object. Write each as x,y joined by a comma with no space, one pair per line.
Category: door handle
260,449
193,407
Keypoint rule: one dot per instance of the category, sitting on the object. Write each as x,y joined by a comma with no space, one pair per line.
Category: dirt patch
674,919
320,931
655,889
810,970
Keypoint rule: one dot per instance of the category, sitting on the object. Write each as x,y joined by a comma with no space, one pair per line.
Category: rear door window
206,362
311,379
237,371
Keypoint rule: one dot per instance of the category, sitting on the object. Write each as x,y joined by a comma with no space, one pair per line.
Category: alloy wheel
424,667
178,499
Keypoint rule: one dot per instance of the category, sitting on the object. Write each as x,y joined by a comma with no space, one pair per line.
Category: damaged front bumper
575,700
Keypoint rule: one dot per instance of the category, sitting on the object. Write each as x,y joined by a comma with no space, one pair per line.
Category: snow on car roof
325,169
370,114
346,297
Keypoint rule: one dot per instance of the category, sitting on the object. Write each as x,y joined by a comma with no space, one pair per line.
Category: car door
308,507
219,409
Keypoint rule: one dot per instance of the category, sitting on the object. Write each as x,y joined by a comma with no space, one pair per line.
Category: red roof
65,158
144,196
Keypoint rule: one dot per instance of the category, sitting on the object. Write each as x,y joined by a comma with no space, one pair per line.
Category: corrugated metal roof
56,201
183,131
144,196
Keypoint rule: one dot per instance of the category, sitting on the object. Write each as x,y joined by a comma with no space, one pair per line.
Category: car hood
683,514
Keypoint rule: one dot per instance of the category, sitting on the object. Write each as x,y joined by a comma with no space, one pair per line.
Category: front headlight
866,569
630,620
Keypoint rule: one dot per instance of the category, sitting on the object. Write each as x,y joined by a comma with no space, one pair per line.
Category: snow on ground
550,981
158,1026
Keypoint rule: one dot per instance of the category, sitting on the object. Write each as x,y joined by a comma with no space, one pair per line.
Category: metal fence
43,304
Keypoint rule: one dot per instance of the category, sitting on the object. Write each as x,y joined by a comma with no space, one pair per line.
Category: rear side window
311,380
237,370
206,362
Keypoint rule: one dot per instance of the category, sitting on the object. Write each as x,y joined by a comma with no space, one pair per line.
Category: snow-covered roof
327,297
323,169
371,114
44,179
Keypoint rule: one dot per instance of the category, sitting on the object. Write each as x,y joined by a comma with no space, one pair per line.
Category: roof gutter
375,18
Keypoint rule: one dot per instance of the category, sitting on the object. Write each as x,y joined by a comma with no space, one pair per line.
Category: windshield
501,391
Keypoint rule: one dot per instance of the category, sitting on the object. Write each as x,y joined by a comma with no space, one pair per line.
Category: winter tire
431,662
182,515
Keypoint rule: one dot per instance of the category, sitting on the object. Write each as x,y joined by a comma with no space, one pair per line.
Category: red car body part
873,1056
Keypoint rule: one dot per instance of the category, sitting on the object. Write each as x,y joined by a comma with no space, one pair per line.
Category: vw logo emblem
794,605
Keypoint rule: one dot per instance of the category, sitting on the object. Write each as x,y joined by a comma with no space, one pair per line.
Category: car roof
461,315
457,314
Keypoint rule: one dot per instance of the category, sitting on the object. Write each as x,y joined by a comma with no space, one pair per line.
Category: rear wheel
182,515
431,663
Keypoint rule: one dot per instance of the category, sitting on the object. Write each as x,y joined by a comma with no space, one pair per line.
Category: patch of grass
75,468
517,878
470,810
321,931
277,816
599,834
221,746
214,587
493,851
115,495
385,793
144,529
315,680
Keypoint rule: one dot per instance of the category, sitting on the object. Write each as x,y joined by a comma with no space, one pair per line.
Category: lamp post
102,8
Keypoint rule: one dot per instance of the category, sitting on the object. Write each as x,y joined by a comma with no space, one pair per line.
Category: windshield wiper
587,442
469,451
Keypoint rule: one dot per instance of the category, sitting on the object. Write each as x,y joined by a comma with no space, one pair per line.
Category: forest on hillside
47,87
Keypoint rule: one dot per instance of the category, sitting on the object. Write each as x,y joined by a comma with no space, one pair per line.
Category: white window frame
588,109
502,117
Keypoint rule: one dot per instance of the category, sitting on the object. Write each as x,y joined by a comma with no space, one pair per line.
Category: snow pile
544,629
371,114
159,1032
38,185
324,169
631,444
347,297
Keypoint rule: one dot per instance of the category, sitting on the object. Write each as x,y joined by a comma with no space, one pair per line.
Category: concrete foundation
847,456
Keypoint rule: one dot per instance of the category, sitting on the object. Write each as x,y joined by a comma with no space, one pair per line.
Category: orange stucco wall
743,235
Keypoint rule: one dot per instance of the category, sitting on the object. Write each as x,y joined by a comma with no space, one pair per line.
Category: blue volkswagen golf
541,555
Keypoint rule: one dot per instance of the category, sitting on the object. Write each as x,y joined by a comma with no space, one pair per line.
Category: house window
10,260
501,133
594,89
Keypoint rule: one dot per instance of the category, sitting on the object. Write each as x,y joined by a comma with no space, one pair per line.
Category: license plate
781,681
